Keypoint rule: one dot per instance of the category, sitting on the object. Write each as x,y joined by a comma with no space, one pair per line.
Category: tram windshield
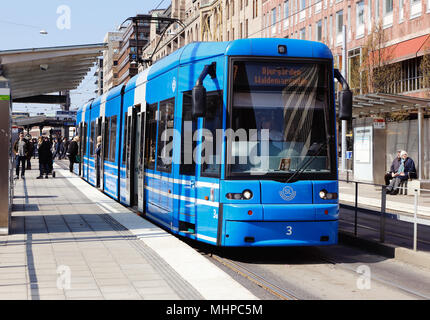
281,120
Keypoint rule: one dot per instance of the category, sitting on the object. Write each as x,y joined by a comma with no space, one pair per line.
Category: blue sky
21,22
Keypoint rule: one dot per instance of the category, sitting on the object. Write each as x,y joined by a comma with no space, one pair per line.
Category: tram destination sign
263,74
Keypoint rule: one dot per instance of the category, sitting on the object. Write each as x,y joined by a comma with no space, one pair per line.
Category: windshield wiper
306,164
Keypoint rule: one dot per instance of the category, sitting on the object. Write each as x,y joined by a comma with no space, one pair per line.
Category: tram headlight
247,194
323,194
328,195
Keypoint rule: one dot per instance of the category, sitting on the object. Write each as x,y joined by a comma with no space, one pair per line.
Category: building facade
110,60
99,78
206,20
379,33
135,36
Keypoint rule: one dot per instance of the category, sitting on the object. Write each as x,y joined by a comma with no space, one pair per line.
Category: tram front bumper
280,225
280,233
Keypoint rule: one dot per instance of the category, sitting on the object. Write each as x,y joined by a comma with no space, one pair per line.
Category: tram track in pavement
256,279
382,281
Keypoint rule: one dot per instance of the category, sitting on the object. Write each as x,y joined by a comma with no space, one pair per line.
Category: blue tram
228,143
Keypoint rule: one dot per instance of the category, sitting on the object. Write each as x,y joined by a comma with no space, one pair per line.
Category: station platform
70,241
369,197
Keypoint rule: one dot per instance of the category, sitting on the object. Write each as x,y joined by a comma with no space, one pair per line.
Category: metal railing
383,215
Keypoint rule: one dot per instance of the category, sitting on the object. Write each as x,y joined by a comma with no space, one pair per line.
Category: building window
287,9
246,28
255,9
388,13
411,77
273,16
339,22
349,23
376,10
369,16
310,32
319,30
360,19
401,12
388,6
325,29
303,33
415,8
354,75
302,5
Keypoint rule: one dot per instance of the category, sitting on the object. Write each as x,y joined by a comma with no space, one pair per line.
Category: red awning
407,49
401,51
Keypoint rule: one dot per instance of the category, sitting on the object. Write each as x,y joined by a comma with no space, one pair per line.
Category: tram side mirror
344,97
199,101
345,105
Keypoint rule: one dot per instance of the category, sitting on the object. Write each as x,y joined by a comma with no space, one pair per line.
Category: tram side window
189,126
150,136
211,154
124,145
92,136
84,138
106,139
165,136
112,138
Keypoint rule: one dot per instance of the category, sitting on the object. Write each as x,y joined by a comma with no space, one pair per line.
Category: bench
407,187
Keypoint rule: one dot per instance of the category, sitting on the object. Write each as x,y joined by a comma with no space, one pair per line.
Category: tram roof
196,51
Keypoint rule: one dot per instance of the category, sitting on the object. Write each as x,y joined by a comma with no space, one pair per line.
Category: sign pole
6,175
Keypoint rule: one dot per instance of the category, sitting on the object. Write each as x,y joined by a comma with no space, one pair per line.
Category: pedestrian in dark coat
45,158
21,150
72,152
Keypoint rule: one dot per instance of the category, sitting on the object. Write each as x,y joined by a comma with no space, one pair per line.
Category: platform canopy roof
39,71
378,103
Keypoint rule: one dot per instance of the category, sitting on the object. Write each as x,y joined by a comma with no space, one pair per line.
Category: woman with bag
72,152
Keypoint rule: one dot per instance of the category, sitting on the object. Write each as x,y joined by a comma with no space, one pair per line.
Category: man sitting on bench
405,171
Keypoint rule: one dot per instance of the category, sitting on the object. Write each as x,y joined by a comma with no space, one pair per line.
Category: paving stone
63,228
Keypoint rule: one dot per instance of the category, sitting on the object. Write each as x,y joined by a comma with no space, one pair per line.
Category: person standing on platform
21,152
98,160
72,152
65,148
30,151
45,157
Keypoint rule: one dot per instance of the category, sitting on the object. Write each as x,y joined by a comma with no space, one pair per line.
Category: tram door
83,147
80,145
100,131
138,160
135,132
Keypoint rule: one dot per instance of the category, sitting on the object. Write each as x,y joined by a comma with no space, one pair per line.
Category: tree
425,70
378,75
